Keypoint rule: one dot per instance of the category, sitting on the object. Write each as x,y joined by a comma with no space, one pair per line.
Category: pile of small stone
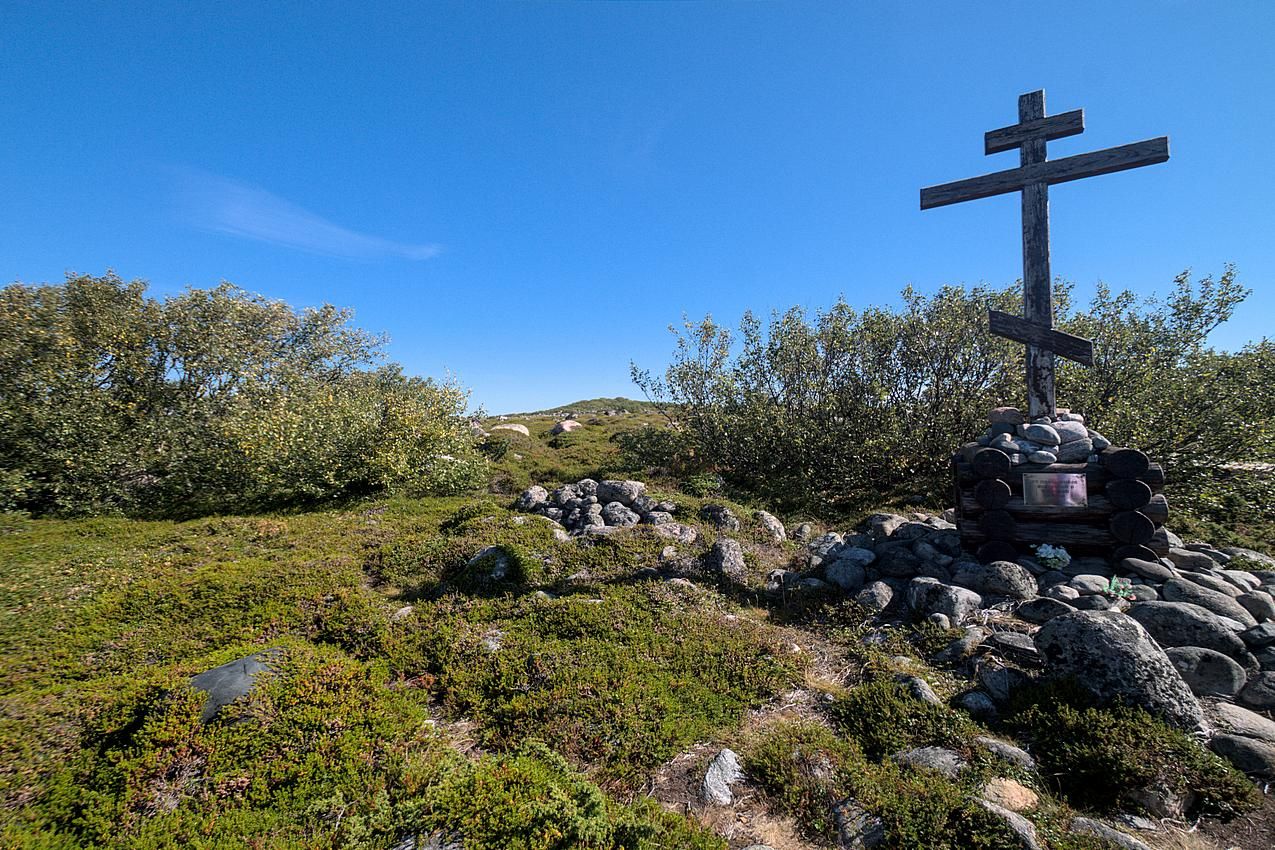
1062,438
587,506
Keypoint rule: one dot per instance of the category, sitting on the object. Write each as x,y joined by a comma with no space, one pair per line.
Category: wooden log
1132,527
992,493
1079,538
1157,510
997,550
1098,512
997,525
1054,127
1096,476
1124,463
1020,330
991,463
1128,494
1106,161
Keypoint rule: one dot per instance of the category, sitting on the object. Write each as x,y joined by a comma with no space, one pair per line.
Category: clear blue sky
526,195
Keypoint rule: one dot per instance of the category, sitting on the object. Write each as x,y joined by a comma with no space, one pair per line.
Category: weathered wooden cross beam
1033,177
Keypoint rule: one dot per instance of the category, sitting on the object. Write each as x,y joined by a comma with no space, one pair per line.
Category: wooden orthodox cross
1033,177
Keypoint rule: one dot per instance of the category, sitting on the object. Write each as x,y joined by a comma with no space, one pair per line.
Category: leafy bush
837,410
1097,756
211,400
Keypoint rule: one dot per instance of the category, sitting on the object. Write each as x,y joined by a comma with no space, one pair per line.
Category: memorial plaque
1055,489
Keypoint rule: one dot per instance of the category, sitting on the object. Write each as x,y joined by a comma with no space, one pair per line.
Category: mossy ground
571,684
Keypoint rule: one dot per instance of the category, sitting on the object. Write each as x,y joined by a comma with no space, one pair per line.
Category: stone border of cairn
1126,509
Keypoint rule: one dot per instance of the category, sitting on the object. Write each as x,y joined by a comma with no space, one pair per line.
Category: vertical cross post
1038,305
1033,177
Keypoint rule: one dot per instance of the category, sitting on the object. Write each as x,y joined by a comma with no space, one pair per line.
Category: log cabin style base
1000,513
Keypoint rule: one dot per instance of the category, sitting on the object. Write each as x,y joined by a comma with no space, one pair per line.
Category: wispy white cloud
222,205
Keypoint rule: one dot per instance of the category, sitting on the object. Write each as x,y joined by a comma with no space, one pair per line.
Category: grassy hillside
574,704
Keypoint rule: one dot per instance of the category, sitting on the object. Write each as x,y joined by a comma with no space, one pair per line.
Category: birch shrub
112,401
844,408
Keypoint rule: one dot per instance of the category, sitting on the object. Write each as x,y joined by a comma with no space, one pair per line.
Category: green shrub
1096,756
834,411
805,769
213,400
883,718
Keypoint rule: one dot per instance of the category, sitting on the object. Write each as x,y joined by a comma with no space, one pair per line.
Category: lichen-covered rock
1042,609
624,492
928,595
1259,693
1180,590
1250,755
1114,657
846,574
1184,624
877,596
773,526
938,759
999,578
614,513
720,516
232,680
723,772
1207,672
532,498
1237,720
725,559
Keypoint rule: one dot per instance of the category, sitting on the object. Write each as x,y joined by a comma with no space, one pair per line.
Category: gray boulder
720,516
1077,451
1114,657
938,759
1213,581
802,532
1019,825
846,574
1180,590
1015,646
773,526
623,492
532,498
1236,720
877,596
1250,755
232,680
657,517
1260,636
1207,672
1183,624
928,595
1149,570
686,534
999,578
723,772
1185,559
614,513
977,705
1088,826
1039,433
856,827
494,561
1259,604
1007,751
1259,693
1042,609
725,559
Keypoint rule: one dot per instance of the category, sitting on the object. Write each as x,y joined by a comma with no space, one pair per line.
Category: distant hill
592,406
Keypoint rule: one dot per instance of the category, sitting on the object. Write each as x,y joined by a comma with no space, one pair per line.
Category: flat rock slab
232,680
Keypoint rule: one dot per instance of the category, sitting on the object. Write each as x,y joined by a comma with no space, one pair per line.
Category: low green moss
622,680
883,718
1096,756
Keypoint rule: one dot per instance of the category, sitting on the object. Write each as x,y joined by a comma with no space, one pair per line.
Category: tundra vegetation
193,479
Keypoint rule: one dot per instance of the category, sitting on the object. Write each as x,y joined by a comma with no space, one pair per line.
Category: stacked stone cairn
1184,636
596,507
1125,513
